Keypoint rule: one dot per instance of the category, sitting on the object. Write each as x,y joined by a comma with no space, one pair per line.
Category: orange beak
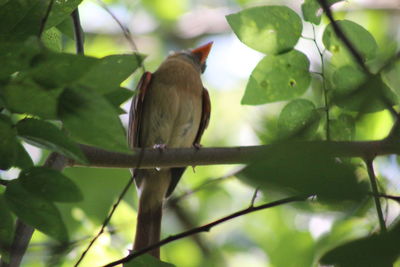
202,52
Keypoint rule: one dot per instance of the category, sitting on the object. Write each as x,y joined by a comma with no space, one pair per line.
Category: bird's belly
171,118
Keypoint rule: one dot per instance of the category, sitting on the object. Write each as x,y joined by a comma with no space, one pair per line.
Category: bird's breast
172,107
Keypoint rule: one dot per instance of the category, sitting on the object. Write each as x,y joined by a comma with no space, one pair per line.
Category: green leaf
304,168
278,78
50,184
110,72
35,211
23,160
346,79
299,119
147,261
391,76
370,96
44,134
361,39
16,56
8,143
118,96
374,250
267,29
67,27
343,128
6,229
30,98
60,11
52,39
312,10
92,120
60,69
20,19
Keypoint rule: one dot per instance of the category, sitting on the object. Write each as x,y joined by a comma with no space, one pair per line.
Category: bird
171,109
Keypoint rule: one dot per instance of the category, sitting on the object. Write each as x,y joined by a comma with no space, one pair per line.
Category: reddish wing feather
205,116
135,113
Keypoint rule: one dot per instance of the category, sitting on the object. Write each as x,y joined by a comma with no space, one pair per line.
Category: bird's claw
160,147
197,146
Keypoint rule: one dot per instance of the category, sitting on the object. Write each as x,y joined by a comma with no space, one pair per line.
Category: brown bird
171,109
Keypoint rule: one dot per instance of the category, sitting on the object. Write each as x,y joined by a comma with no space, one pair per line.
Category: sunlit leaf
343,128
298,118
6,229
8,143
92,120
20,19
360,38
35,211
277,78
28,97
52,39
147,261
268,29
304,168
46,135
50,184
374,250
312,10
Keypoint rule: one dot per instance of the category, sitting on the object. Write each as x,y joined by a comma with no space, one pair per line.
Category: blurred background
286,236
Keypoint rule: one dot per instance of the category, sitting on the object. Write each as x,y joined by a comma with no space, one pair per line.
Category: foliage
56,101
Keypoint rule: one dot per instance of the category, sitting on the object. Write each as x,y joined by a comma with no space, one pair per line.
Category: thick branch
231,155
206,228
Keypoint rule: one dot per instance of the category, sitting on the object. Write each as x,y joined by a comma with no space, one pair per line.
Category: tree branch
340,34
206,228
181,157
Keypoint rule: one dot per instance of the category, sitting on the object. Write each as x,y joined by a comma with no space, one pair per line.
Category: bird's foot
160,147
197,146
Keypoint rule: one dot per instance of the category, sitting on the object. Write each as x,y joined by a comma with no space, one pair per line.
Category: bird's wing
205,116
176,173
135,113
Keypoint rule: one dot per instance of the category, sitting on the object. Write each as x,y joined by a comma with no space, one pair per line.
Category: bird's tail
148,227
153,188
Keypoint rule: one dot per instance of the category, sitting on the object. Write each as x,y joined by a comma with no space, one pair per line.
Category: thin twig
45,18
325,91
206,228
113,209
254,197
207,183
340,34
106,221
126,32
375,191
78,32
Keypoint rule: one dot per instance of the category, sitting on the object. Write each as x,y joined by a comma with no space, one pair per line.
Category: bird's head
197,56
